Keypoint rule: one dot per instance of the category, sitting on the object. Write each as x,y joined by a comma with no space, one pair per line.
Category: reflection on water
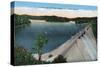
57,33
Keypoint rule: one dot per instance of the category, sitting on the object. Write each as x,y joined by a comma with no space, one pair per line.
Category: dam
80,47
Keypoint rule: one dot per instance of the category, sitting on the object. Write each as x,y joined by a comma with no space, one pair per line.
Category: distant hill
55,18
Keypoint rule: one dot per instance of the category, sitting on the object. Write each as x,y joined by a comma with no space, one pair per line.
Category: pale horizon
53,9
56,12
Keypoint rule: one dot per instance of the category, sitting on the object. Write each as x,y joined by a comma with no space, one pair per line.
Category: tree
40,41
22,56
59,59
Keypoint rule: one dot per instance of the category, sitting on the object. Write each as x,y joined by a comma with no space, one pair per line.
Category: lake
56,33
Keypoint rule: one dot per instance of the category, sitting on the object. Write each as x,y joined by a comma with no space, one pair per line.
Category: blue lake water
56,33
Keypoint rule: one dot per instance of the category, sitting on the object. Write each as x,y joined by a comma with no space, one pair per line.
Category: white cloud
57,12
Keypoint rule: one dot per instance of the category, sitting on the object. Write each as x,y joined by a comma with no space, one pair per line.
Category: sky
63,10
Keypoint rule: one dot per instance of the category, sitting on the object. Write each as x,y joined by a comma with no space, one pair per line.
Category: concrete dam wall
81,47
84,48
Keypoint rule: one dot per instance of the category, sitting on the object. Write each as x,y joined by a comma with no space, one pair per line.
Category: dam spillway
80,47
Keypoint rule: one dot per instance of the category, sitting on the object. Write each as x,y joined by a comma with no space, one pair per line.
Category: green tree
59,59
40,41
22,56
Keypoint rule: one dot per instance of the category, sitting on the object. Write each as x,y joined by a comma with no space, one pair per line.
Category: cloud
58,12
